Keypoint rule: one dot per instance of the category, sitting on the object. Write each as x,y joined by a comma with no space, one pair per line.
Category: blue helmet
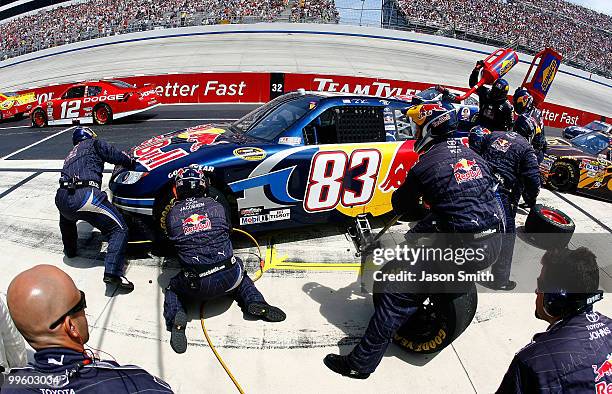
191,182
432,123
476,138
523,101
81,134
499,90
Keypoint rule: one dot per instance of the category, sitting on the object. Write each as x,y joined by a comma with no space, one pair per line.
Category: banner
262,87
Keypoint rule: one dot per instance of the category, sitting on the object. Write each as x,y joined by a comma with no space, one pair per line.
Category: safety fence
248,87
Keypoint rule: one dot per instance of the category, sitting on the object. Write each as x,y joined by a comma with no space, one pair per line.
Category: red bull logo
604,370
196,223
404,159
201,136
466,170
420,113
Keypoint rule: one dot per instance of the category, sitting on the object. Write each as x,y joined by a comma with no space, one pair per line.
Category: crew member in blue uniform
79,198
574,354
529,122
459,188
198,227
513,162
49,311
495,111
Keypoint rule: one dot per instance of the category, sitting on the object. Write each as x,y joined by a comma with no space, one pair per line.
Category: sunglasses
81,305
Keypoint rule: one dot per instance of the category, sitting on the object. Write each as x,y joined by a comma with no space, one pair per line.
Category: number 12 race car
98,102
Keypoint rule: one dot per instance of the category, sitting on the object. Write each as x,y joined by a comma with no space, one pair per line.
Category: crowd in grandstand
315,10
581,35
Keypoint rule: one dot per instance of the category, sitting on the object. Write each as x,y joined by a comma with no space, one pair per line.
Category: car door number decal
326,181
70,109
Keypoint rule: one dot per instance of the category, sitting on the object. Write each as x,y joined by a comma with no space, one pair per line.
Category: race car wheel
102,114
543,221
39,118
441,319
564,176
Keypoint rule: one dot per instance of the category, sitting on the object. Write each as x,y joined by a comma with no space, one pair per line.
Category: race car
98,102
14,105
596,125
582,164
303,158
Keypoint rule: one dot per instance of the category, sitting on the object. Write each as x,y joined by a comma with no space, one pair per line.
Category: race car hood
578,128
562,148
204,141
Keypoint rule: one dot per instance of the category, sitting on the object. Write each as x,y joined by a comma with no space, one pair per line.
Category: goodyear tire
438,323
546,220
564,176
39,118
102,114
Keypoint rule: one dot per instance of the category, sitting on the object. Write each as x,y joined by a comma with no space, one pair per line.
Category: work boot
266,311
70,253
340,365
178,340
120,281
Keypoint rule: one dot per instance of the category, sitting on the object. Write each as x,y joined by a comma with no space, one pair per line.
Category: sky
604,6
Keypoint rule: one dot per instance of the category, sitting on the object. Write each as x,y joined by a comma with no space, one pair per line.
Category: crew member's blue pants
92,205
391,311
232,281
501,269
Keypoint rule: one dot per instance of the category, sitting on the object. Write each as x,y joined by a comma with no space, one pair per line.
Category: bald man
49,311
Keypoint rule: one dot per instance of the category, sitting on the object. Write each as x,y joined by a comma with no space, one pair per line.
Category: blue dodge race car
302,158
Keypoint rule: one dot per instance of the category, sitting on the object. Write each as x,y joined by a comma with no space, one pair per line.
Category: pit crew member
513,162
49,311
529,122
79,198
459,188
198,227
574,354
495,111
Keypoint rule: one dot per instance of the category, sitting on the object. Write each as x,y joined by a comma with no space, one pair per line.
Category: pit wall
245,87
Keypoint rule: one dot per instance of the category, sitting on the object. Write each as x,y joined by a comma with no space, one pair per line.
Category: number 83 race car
98,102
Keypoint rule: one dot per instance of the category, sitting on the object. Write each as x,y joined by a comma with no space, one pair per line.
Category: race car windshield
268,121
121,84
596,126
428,94
591,143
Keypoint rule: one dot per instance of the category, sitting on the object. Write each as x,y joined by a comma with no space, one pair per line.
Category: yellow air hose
258,275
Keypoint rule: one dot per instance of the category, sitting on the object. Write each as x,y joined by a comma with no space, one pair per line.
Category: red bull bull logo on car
196,223
466,170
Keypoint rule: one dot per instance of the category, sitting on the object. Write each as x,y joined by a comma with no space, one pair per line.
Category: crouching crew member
198,227
79,198
574,355
495,111
529,122
459,188
513,162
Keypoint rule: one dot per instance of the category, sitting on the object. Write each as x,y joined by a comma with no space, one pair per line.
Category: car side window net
93,91
343,125
76,92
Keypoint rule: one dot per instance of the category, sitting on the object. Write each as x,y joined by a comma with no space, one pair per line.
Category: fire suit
458,186
530,126
61,370
513,162
573,355
199,229
80,198
493,114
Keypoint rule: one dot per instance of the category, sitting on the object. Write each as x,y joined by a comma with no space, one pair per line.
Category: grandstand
583,36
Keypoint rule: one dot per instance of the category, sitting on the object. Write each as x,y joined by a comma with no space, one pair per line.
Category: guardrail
261,87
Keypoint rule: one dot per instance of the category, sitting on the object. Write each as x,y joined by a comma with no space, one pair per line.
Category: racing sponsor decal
203,168
466,170
501,144
272,216
97,99
464,114
201,136
150,154
403,159
251,211
601,371
290,140
250,154
196,223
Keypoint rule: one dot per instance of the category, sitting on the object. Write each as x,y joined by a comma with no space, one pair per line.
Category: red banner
261,87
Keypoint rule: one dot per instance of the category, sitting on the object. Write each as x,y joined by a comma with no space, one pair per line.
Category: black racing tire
564,176
546,220
441,319
102,114
39,118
